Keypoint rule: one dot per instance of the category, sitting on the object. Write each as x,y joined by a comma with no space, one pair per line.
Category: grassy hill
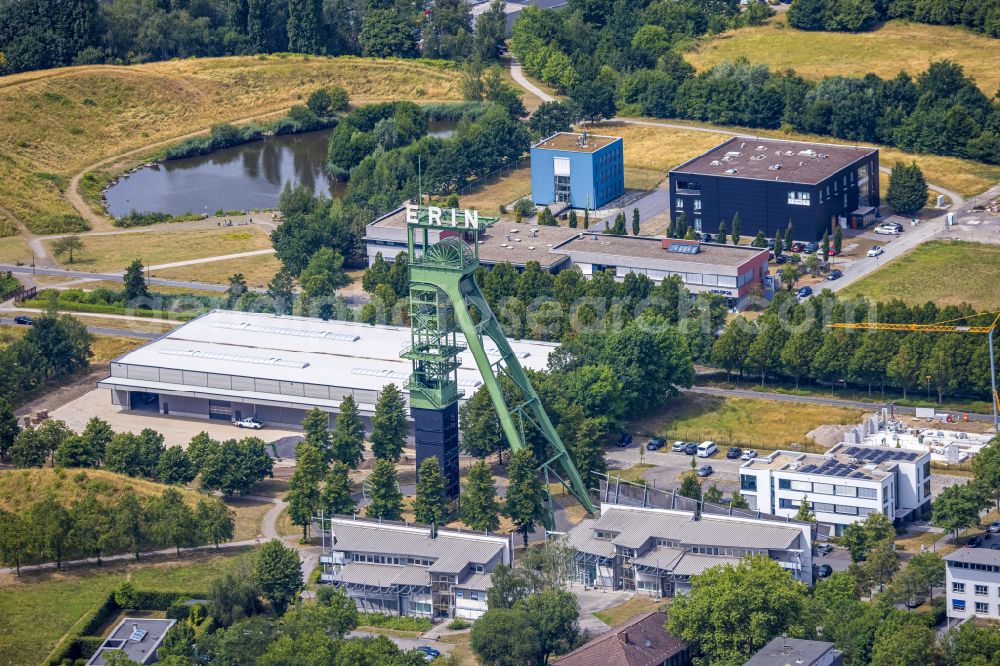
895,46
57,122
946,272
21,487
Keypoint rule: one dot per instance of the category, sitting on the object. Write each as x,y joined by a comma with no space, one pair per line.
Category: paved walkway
517,74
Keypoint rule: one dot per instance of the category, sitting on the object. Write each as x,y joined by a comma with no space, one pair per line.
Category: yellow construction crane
946,327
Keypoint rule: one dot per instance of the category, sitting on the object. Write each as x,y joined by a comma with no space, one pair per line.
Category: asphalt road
103,330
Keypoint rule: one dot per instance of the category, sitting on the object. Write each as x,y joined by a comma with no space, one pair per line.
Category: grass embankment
662,148
762,424
39,609
895,46
638,604
115,252
258,271
946,272
61,121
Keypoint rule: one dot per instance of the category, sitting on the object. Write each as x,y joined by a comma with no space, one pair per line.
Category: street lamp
928,387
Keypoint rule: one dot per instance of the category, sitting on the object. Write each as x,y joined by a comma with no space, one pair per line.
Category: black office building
770,183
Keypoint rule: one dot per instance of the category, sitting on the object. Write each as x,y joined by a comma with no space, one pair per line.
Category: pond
250,176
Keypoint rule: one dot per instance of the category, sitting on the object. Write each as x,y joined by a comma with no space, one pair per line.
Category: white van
707,449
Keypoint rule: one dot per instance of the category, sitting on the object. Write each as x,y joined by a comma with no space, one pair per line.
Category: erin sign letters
439,217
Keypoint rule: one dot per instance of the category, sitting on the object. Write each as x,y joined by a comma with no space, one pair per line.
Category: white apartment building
402,569
972,580
843,485
657,551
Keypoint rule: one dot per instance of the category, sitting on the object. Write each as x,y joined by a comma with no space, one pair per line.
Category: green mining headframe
442,291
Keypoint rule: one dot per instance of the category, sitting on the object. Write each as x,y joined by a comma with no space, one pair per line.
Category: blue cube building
582,170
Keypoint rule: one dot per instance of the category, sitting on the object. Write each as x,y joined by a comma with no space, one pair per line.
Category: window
847,510
697,222
459,594
697,204
868,493
687,187
477,568
785,503
982,608
785,484
562,188
823,507
982,590
705,550
823,488
727,281
798,198
847,491
678,203
474,596
748,482
668,543
603,535
710,280
804,486
958,588
958,604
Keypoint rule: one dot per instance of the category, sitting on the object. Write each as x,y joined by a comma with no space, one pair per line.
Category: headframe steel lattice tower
442,291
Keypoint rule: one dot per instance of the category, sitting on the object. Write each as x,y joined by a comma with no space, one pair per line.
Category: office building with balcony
401,569
579,170
771,183
656,551
972,582
843,485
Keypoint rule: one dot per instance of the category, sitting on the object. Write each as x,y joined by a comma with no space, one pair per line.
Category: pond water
239,178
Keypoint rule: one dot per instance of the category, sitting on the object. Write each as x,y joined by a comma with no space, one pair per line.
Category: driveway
406,643
596,600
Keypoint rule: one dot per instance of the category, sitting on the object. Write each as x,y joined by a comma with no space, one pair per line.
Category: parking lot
668,466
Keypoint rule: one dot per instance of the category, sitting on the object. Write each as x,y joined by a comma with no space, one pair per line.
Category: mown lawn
39,609
60,121
116,252
895,46
763,424
946,272
258,270
638,604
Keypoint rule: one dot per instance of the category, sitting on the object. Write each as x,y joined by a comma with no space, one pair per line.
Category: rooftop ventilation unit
683,248
775,166
715,162
239,358
761,148
379,372
732,171
137,634
756,158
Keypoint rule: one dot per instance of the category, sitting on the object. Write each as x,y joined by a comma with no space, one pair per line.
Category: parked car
824,570
691,448
679,447
24,320
249,422
875,251
824,549
798,247
835,274
887,229
430,654
707,238
781,259
805,291
705,470
749,454
625,440
707,449
810,248
975,542
734,452
656,444
994,527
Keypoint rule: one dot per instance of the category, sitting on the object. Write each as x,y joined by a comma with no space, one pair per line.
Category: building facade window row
827,488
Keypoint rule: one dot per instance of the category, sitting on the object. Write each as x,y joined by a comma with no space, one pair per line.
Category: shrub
458,623
525,207
395,623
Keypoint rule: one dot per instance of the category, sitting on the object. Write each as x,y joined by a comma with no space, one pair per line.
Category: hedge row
75,306
83,643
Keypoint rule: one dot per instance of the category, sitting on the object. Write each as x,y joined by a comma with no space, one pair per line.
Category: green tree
316,430
797,354
8,427
92,533
957,507
135,455
73,452
732,611
524,501
281,289
779,244
736,229
505,637
713,495
28,450
175,467
430,506
387,33
173,521
759,240
305,26
216,521
838,240
135,282
912,644
51,525
63,344
635,221
586,217
573,222
907,192
721,236
595,98
237,286
553,613
805,512
739,502
904,367
96,436
389,424
129,523
970,644
324,274
860,537
278,574
386,500
67,245
335,497
986,467
824,246
690,486
16,545
480,509
303,489
882,563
